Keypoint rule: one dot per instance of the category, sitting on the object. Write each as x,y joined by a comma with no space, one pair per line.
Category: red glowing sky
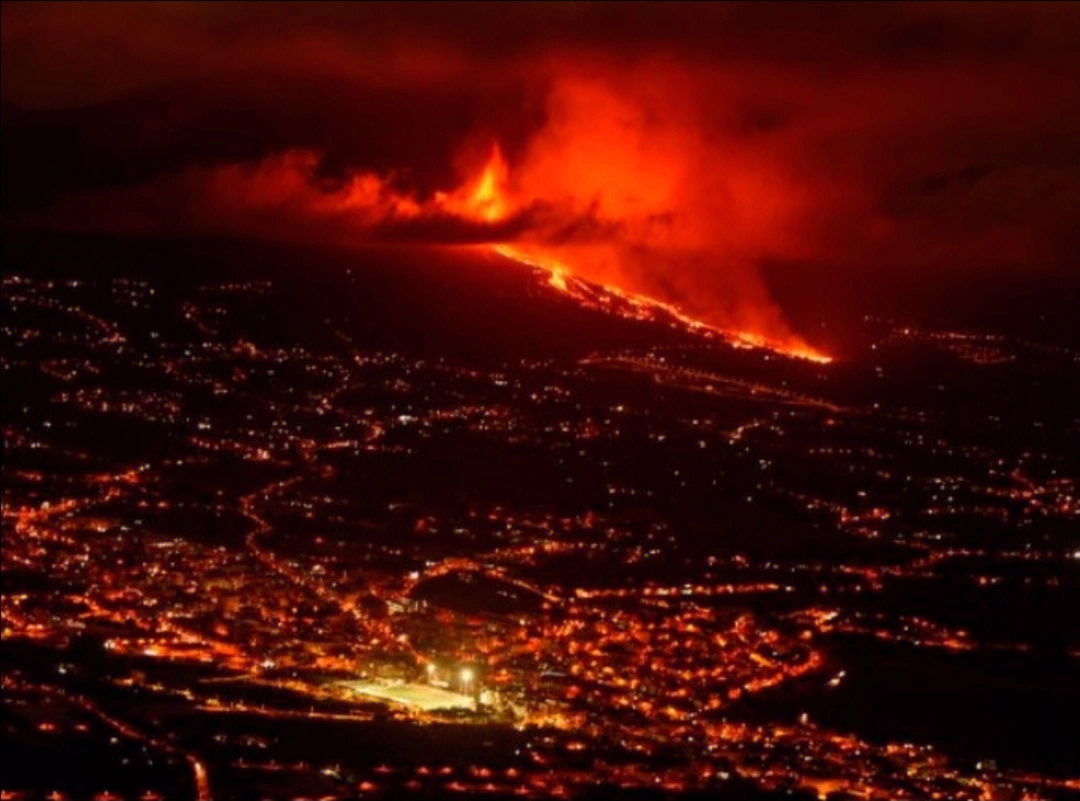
670,150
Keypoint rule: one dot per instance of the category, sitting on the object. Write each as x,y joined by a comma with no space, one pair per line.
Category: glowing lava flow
562,278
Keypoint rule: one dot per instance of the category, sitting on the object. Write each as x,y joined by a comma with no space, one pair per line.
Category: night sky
681,151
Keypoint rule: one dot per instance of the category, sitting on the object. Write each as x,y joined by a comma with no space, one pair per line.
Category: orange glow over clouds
619,188
674,152
637,201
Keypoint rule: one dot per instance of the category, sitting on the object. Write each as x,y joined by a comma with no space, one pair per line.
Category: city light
314,593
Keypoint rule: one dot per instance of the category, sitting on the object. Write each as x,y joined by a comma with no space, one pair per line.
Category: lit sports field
421,697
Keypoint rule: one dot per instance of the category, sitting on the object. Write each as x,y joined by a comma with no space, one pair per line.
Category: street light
467,674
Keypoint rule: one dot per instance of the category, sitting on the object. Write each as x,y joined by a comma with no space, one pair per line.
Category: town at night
541,401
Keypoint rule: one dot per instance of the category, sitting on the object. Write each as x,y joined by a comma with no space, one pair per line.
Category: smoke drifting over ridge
665,151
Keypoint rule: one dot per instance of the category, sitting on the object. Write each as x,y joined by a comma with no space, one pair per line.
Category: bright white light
466,675
430,668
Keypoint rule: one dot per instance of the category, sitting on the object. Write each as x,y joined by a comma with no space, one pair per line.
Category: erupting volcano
625,188
597,266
